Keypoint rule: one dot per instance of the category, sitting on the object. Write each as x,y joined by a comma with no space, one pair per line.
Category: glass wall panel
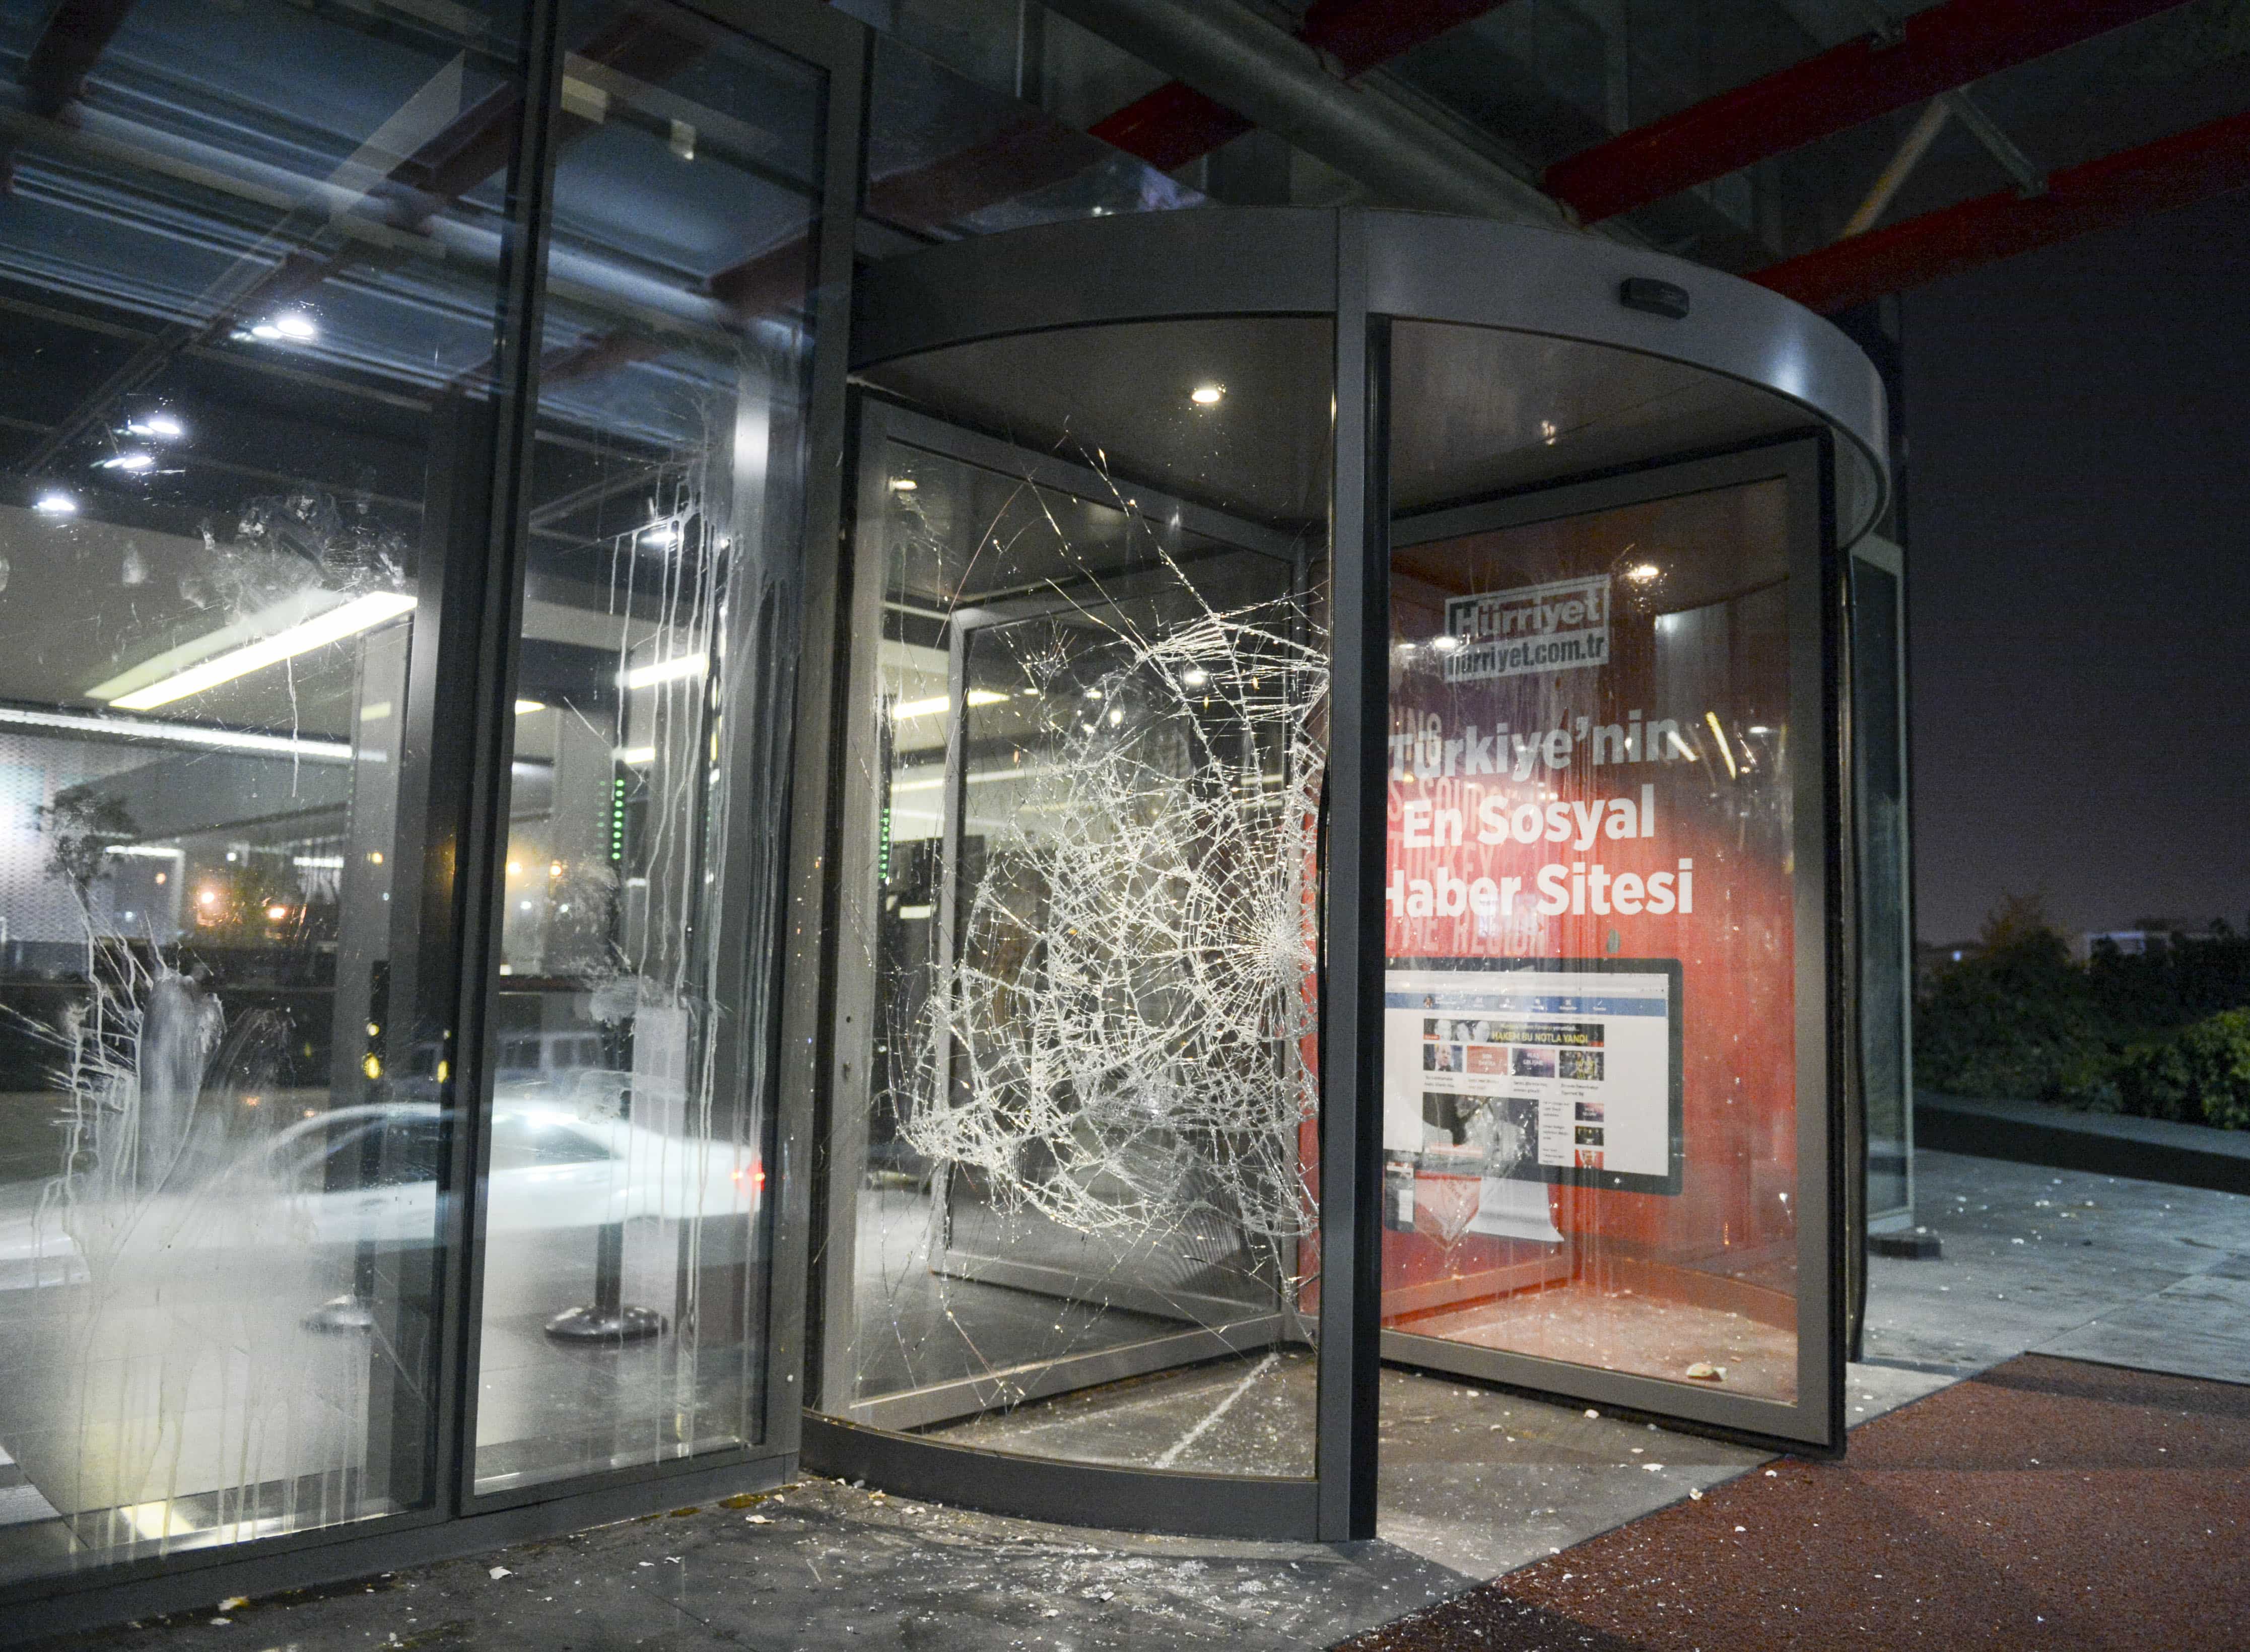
1590,1064
1076,1187
1878,760
248,260
629,1025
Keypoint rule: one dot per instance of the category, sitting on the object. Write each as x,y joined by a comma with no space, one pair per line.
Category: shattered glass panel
629,1028
1080,1177
248,270
1591,1061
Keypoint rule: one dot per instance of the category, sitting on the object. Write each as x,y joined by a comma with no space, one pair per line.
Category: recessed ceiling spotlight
903,484
56,505
1207,395
134,462
297,325
157,427
1641,573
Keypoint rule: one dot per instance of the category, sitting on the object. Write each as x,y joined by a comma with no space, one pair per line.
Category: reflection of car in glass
545,1058
369,1175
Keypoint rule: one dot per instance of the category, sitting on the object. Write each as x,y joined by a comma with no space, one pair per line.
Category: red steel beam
1174,124
1946,46
2176,171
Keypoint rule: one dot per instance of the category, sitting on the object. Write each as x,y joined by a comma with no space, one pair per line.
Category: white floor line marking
1173,1451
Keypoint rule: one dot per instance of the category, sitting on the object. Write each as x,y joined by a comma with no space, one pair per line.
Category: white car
369,1175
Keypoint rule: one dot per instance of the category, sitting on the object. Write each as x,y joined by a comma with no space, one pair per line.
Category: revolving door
1260,629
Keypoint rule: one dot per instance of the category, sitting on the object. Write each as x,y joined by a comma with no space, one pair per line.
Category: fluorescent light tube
906,709
177,734
362,613
670,670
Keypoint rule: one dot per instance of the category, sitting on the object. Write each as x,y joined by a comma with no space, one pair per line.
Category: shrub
2017,1021
2201,1074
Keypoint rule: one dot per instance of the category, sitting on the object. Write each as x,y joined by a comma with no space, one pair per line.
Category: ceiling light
362,613
265,330
634,757
127,461
906,709
663,536
1207,395
1759,728
903,484
525,707
178,734
271,620
670,670
56,505
297,325
1641,573
161,427
1195,677
1444,645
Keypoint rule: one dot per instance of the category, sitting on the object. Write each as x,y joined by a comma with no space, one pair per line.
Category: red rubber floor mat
2047,1505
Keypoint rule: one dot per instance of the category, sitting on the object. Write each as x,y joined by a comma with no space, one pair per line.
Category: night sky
2080,526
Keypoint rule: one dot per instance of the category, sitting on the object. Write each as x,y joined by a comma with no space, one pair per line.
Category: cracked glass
1073,1175
249,266
625,1193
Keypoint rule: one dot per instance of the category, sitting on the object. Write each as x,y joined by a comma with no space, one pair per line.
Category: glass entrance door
1606,1080
1080,1005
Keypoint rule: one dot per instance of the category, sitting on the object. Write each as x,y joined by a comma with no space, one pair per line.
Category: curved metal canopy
1566,376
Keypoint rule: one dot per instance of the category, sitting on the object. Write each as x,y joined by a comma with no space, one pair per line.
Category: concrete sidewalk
1476,1483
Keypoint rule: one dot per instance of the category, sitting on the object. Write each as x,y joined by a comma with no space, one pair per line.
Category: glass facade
401,645
577,898
251,317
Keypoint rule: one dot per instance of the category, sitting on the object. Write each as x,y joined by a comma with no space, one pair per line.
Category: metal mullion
1351,1005
805,943
478,893
1823,1130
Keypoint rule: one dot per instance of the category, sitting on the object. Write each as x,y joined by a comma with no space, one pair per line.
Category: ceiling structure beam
76,35
2188,166
1893,177
1934,51
1262,72
1176,124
